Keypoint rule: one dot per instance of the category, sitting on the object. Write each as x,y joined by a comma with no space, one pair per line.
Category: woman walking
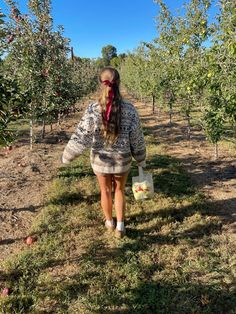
111,128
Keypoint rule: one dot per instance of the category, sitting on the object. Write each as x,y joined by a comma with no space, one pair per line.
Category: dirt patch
24,179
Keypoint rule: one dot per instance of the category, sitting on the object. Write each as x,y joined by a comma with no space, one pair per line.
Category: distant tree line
110,57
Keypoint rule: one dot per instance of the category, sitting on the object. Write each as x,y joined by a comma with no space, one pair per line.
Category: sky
93,24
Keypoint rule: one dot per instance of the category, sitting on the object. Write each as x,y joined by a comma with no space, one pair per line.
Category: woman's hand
142,164
64,161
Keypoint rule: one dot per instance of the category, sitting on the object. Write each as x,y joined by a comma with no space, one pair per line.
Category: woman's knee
105,190
119,184
105,184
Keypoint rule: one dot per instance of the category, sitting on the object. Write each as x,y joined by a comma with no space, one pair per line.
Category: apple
145,187
8,150
45,72
5,291
18,18
10,38
30,240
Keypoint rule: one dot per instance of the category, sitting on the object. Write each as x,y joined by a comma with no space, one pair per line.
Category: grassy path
175,258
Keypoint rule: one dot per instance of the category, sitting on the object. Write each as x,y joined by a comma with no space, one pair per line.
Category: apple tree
37,59
10,93
220,111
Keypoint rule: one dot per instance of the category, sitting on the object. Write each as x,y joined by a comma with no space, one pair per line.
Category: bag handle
140,173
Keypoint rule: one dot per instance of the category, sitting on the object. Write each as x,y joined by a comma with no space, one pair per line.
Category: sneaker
110,228
119,234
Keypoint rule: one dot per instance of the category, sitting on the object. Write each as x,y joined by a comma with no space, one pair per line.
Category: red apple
10,38
30,240
45,72
5,291
18,18
140,189
8,149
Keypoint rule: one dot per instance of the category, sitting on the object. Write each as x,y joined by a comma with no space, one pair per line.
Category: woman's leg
105,183
119,187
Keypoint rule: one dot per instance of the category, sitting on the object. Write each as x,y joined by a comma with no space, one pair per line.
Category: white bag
142,186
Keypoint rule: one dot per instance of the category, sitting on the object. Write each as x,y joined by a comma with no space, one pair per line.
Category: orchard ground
179,253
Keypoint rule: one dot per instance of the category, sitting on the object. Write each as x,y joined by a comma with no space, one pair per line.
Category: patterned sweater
115,158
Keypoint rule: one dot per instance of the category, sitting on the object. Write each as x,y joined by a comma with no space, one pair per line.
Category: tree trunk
43,130
31,133
72,53
159,109
153,103
59,120
188,127
216,151
170,114
188,118
51,127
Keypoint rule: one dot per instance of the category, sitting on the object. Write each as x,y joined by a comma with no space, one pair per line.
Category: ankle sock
120,225
110,223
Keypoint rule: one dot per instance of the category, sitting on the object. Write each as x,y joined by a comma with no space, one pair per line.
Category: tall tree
108,52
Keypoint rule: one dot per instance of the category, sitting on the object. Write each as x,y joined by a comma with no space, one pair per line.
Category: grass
175,258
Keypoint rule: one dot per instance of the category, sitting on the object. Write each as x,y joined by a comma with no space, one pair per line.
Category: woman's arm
137,142
81,139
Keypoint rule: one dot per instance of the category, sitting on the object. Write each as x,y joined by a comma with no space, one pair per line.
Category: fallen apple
8,150
30,240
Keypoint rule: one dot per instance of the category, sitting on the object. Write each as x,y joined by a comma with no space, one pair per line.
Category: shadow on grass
75,171
150,295
31,208
174,132
147,236
74,198
168,177
206,172
163,298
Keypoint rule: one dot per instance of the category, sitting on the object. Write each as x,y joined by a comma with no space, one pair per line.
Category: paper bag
142,186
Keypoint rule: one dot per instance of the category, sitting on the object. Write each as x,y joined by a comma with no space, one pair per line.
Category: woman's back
109,158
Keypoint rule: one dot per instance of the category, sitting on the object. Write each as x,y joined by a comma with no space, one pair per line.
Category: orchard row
190,67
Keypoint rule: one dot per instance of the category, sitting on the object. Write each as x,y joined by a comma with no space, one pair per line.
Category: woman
111,128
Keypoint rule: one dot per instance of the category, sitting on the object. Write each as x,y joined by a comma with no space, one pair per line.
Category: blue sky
93,24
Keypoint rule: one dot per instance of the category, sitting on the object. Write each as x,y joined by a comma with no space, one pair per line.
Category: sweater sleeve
81,138
137,142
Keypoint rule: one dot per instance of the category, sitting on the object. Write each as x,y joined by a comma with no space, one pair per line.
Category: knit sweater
115,158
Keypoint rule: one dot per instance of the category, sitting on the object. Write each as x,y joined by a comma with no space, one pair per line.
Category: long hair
109,79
